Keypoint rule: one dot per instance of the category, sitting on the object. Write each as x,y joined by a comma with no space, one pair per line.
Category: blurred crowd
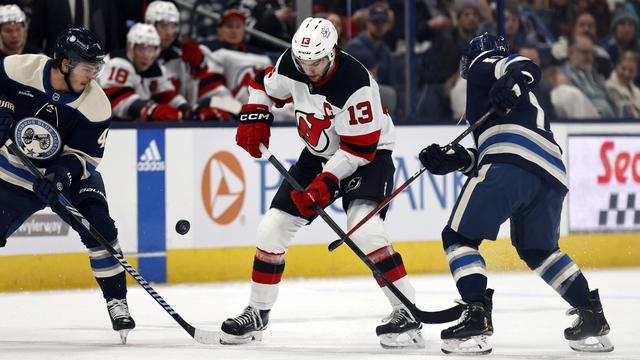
168,61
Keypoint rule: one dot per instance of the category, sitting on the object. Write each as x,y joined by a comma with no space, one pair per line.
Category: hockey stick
201,336
427,317
334,244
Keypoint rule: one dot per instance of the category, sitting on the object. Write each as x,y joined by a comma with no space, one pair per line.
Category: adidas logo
151,160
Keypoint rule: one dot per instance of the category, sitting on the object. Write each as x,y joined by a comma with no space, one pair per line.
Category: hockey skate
470,336
245,328
400,330
589,331
121,320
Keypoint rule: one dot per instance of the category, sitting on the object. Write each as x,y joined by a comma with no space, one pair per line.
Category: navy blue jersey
51,127
522,137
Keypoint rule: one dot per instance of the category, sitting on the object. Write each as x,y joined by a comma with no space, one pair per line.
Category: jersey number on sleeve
360,113
118,75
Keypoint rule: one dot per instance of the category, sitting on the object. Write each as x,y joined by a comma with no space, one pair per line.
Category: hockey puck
182,227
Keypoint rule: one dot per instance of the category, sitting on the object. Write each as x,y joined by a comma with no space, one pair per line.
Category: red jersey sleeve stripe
165,97
117,94
363,146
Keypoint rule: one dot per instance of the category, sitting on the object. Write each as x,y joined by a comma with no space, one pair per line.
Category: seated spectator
234,62
585,24
13,32
369,47
136,84
623,34
624,93
184,64
568,101
581,73
541,91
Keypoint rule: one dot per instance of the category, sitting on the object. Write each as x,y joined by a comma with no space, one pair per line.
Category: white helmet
314,39
143,34
11,13
161,11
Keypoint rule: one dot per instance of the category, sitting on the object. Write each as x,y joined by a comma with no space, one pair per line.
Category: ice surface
313,319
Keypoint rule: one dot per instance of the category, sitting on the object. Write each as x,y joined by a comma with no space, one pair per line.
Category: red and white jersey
129,90
340,118
237,67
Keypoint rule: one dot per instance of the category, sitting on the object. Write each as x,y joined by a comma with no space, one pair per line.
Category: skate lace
118,308
465,312
248,316
577,320
397,317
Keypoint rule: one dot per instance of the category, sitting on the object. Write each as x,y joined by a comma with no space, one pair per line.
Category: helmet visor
93,70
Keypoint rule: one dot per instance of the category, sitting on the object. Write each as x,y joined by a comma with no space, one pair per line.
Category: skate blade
123,335
475,345
228,339
592,344
405,340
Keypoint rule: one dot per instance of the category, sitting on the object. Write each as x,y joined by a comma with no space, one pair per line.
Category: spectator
568,101
600,11
558,18
623,34
513,33
541,90
336,20
580,72
135,83
13,32
369,47
51,17
585,25
277,20
624,93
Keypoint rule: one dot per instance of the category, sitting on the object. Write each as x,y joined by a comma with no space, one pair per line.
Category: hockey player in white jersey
57,115
137,85
13,31
348,139
186,66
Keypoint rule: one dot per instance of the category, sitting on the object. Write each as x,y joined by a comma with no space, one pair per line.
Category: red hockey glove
192,54
160,112
322,190
212,113
254,128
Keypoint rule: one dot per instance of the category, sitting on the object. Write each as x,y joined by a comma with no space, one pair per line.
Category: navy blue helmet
480,44
79,45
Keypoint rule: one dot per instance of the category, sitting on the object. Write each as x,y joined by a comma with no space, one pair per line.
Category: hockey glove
56,179
254,128
6,120
160,112
192,55
439,161
211,113
503,96
322,190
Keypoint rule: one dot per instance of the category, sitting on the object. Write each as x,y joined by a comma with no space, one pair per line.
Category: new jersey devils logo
312,130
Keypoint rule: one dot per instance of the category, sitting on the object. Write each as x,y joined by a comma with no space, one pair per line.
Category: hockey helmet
142,34
11,13
161,11
79,45
315,39
486,42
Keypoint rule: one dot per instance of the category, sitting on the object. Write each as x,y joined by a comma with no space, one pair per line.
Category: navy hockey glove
439,161
502,95
56,179
6,120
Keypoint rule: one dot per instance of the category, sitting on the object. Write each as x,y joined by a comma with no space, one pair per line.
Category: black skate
121,320
400,330
471,334
589,331
246,327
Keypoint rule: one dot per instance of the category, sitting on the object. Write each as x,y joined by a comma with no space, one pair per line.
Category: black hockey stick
334,244
427,317
201,336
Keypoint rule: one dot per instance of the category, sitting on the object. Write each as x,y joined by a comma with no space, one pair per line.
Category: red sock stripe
265,278
393,275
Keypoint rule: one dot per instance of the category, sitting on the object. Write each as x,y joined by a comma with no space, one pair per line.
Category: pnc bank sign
223,187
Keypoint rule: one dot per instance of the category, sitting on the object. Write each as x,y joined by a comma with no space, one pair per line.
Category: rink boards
154,177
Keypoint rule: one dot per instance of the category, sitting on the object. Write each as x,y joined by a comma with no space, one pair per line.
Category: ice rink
313,319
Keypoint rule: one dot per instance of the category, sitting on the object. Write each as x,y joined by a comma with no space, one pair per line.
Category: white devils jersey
126,87
341,114
179,73
237,67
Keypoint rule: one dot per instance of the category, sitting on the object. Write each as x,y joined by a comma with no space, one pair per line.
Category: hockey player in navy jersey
517,174
56,113
348,138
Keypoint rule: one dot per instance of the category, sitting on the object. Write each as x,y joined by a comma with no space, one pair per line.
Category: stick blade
207,337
